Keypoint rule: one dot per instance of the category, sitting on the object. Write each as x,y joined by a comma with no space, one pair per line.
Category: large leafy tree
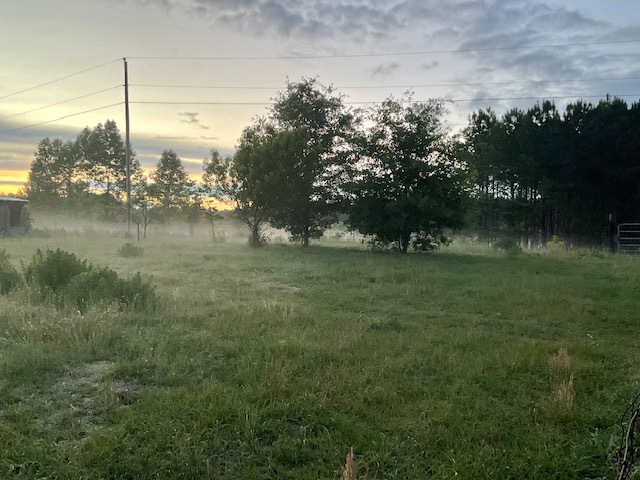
315,143
409,186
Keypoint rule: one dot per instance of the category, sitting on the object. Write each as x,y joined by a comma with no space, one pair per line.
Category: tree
246,180
87,174
54,174
409,186
541,174
315,143
102,151
144,210
171,183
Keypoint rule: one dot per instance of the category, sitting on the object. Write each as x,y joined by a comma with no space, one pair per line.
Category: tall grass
275,363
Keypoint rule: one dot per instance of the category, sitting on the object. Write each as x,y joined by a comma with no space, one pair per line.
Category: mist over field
178,357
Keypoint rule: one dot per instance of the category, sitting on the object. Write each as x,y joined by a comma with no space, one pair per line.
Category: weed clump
102,285
130,250
9,276
62,276
53,270
509,246
555,245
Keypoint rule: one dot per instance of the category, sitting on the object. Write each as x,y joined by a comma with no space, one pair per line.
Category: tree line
394,172
540,172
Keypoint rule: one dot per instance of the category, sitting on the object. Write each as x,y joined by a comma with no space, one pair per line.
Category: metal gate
629,238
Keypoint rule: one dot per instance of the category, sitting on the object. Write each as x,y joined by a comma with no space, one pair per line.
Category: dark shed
12,217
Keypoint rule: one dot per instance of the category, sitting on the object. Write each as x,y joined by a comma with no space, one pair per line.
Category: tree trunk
254,238
305,237
404,243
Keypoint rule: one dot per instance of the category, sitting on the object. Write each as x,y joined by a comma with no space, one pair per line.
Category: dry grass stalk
561,359
565,394
349,470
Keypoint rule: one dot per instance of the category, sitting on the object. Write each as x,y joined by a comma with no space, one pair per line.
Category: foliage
9,276
130,250
144,211
53,270
315,141
409,185
246,180
102,153
288,164
80,284
55,173
509,246
86,174
541,171
100,285
171,186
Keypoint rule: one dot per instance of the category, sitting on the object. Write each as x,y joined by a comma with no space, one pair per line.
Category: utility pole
127,144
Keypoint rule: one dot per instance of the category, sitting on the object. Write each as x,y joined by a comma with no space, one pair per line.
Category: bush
555,245
130,250
509,246
81,285
54,270
9,276
103,285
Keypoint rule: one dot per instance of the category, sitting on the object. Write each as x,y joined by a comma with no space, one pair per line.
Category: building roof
12,199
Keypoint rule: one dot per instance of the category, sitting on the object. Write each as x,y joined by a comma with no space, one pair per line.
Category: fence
629,238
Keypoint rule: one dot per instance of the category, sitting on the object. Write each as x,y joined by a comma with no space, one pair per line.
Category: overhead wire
62,102
371,87
60,118
391,54
454,100
60,79
287,57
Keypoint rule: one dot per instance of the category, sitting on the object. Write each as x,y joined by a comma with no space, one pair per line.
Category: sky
202,70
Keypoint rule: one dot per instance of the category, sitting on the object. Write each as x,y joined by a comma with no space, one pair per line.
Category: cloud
297,18
191,118
480,41
384,70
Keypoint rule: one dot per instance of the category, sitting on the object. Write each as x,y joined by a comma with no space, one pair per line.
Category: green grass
273,363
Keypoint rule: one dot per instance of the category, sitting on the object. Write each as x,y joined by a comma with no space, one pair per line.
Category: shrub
555,245
53,270
130,250
509,246
103,285
9,276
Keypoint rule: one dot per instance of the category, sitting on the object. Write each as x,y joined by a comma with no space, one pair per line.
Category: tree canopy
408,186
88,172
541,172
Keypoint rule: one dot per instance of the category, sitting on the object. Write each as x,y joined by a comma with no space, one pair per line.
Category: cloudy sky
200,70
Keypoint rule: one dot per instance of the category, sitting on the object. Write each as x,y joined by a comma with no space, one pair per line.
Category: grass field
274,363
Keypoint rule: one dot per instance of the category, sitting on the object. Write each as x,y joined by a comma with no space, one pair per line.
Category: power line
60,103
357,87
394,54
454,100
549,97
61,118
60,79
